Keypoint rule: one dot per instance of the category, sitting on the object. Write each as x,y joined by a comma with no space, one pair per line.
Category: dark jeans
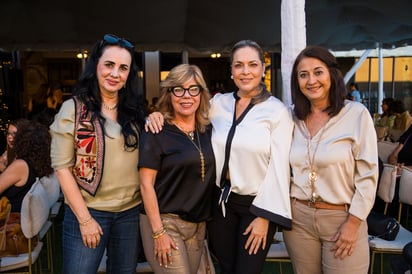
226,238
120,237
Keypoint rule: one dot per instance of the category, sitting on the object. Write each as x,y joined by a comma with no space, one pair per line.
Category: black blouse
15,194
179,187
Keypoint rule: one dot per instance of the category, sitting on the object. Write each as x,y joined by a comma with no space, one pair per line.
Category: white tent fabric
293,40
208,26
200,26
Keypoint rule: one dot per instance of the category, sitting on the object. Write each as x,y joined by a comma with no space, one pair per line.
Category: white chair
141,267
34,222
52,186
405,192
380,246
278,252
385,148
387,184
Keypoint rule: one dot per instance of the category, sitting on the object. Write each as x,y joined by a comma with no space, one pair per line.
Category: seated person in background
8,156
402,121
55,97
32,148
384,122
402,155
387,118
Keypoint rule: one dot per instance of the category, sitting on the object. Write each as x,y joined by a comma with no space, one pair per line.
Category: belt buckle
312,201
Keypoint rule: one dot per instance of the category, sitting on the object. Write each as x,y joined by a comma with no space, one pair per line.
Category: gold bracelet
85,222
159,233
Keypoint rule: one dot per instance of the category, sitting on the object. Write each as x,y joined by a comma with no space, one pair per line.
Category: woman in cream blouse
334,164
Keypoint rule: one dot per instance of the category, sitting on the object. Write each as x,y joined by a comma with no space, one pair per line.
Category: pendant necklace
313,176
110,108
191,136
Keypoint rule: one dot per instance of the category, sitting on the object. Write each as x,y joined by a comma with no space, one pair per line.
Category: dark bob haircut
337,91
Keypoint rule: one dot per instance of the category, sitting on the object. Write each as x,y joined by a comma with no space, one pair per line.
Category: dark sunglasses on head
113,39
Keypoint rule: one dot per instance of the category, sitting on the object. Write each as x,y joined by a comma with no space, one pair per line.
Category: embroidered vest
89,149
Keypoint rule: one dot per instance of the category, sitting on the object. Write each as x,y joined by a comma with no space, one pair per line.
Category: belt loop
346,208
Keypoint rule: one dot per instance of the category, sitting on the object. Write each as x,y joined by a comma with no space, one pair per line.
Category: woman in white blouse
334,163
253,131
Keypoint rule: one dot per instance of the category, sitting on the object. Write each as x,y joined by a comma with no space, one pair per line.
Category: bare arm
15,174
89,228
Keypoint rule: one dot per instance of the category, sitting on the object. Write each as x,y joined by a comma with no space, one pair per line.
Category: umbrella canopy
200,26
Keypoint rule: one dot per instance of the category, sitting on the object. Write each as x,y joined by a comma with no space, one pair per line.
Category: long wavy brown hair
32,144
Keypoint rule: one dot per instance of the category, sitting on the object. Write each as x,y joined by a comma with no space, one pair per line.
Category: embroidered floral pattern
89,150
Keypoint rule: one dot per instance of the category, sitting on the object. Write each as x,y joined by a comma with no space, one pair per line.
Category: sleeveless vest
89,149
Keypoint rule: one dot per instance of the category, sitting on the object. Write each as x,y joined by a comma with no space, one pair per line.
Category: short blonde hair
177,77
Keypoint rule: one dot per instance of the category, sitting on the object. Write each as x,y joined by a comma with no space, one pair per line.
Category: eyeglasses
193,90
12,134
113,39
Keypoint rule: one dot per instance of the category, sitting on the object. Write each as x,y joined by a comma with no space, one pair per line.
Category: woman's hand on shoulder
154,122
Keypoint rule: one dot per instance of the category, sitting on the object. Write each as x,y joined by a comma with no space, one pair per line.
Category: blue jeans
120,238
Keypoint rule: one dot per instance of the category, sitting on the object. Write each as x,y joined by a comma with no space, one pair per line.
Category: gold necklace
189,133
313,176
110,108
191,136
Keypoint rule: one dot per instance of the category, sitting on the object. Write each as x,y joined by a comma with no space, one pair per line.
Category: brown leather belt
323,205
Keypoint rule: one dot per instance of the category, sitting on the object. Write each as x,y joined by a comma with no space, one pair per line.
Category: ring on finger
169,254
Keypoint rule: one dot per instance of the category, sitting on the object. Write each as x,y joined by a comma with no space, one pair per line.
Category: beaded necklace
313,175
191,136
110,108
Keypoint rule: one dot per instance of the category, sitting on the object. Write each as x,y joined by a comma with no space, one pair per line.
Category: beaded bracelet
159,233
85,222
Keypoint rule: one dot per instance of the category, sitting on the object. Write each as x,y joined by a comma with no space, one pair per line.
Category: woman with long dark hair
95,153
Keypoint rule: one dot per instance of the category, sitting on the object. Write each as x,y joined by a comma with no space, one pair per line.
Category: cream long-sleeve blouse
259,157
346,160
119,189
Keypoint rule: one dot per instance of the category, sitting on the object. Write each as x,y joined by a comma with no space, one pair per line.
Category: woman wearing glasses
251,137
177,171
95,138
